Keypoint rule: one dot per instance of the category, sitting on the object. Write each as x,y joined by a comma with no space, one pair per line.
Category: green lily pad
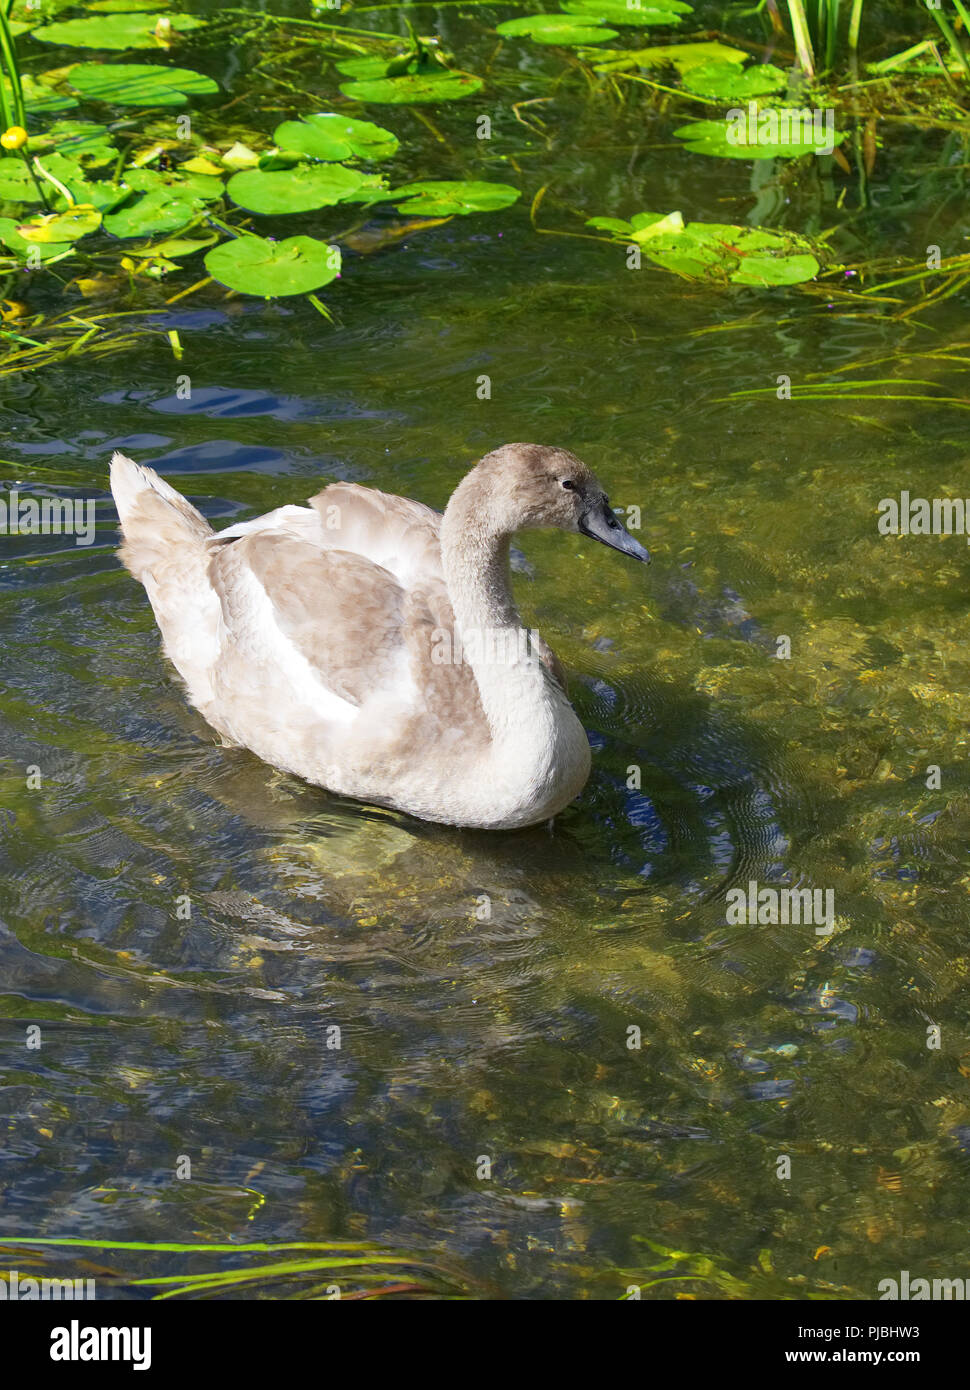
777,134
121,6
14,242
298,265
413,87
16,185
559,29
642,227
58,227
208,187
640,15
727,80
158,211
115,31
717,252
31,15
173,247
682,56
331,137
85,141
446,198
99,193
140,84
363,67
40,99
302,189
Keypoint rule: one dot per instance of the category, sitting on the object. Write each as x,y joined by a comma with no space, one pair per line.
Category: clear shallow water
508,1038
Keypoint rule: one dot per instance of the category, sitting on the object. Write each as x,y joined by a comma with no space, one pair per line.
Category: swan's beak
601,523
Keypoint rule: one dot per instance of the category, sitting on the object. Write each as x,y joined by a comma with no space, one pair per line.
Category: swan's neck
539,753
489,630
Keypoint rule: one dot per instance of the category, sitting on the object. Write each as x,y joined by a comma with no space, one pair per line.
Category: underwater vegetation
128,179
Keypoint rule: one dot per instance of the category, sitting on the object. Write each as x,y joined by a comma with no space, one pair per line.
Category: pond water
509,1038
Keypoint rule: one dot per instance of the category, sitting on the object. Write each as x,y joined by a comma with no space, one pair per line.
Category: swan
371,645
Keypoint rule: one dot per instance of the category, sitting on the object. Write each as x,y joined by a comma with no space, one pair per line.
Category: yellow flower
14,138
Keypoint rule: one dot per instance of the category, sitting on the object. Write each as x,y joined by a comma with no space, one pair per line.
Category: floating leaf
446,198
414,87
182,184
140,84
98,193
727,80
12,239
116,31
298,265
174,247
640,15
364,67
240,156
29,12
682,56
302,189
333,137
158,211
16,185
56,227
787,133
641,227
39,98
120,6
84,141
717,252
557,28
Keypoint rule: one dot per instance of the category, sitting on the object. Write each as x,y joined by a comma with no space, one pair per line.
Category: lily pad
117,30
16,185
173,247
302,189
101,194
642,227
56,227
785,133
639,14
158,211
682,56
559,29
253,265
732,83
414,87
85,141
140,84
447,198
331,137
11,238
40,99
717,252
121,6
208,187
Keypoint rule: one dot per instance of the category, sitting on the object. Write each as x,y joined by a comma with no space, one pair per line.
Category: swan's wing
286,601
399,535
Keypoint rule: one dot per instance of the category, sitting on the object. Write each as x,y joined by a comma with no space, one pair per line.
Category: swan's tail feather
155,519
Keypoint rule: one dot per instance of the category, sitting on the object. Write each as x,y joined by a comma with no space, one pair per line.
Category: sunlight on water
716,764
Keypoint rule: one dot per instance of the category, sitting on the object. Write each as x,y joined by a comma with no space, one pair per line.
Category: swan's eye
569,485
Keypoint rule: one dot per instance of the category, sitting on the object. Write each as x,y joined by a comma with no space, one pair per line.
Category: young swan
371,645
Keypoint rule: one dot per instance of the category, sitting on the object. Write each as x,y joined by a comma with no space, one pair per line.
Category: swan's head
532,486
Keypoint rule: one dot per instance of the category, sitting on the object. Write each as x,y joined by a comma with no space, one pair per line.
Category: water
509,1038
